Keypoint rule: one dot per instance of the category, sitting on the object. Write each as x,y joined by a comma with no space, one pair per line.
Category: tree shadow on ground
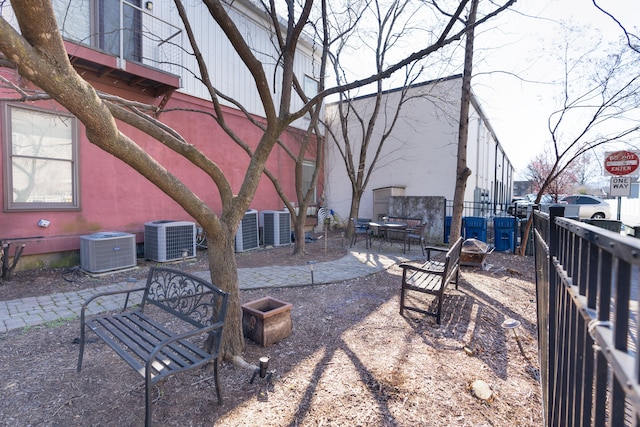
471,321
349,344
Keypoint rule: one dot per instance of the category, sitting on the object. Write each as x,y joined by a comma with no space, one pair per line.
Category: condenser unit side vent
107,251
168,240
284,231
276,227
247,236
268,227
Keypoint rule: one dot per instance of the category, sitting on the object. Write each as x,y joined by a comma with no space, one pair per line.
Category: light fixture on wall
43,223
149,6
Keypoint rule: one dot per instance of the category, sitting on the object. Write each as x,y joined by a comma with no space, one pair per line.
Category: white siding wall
421,155
481,159
228,72
475,151
492,173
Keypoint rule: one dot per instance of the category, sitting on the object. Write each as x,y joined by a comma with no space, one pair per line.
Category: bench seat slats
181,351
110,330
134,337
434,266
424,282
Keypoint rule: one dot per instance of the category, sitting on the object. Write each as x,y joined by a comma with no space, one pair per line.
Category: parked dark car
519,207
522,206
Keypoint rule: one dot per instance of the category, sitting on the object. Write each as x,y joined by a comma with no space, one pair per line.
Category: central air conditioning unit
168,240
276,227
247,236
106,251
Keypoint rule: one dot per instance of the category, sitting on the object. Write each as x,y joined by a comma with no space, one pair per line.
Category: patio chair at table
387,231
415,234
361,227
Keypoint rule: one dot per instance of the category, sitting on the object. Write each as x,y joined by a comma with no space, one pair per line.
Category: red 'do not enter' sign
621,163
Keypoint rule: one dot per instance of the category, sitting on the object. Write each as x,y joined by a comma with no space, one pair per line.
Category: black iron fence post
552,354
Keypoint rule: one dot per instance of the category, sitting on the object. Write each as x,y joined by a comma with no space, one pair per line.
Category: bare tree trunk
354,211
299,233
8,267
221,252
522,250
462,171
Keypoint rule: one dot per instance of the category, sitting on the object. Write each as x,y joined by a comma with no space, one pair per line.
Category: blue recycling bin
475,227
504,233
447,228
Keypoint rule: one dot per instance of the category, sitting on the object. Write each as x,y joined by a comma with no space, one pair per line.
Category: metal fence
493,223
587,293
480,209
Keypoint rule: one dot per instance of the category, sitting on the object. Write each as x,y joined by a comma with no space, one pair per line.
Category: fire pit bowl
474,252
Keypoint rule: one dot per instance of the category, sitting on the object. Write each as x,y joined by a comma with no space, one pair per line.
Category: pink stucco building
51,172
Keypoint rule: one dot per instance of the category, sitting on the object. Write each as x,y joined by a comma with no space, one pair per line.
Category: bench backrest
186,296
452,260
411,222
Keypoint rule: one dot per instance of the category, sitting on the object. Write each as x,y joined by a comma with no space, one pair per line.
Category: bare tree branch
633,44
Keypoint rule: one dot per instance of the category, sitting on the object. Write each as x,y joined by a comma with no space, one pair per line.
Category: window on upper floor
40,160
108,28
308,167
311,86
97,23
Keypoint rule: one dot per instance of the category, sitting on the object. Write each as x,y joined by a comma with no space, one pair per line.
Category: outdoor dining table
384,228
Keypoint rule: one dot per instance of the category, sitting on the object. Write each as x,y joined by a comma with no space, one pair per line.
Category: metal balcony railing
124,30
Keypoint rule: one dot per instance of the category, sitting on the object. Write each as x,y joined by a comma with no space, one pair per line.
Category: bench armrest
412,267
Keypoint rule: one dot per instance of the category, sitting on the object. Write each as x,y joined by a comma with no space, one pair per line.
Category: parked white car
591,207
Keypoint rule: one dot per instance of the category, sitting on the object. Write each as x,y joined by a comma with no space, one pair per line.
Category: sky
515,59
521,42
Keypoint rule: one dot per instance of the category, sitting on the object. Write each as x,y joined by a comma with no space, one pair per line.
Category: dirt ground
351,359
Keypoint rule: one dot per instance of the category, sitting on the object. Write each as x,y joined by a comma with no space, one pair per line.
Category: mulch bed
351,360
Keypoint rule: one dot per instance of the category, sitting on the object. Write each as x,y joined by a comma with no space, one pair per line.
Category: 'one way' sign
620,186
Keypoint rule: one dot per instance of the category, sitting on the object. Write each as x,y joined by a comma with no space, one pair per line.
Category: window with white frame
308,167
311,86
40,160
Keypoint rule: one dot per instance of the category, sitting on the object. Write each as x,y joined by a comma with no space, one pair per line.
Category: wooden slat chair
431,278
